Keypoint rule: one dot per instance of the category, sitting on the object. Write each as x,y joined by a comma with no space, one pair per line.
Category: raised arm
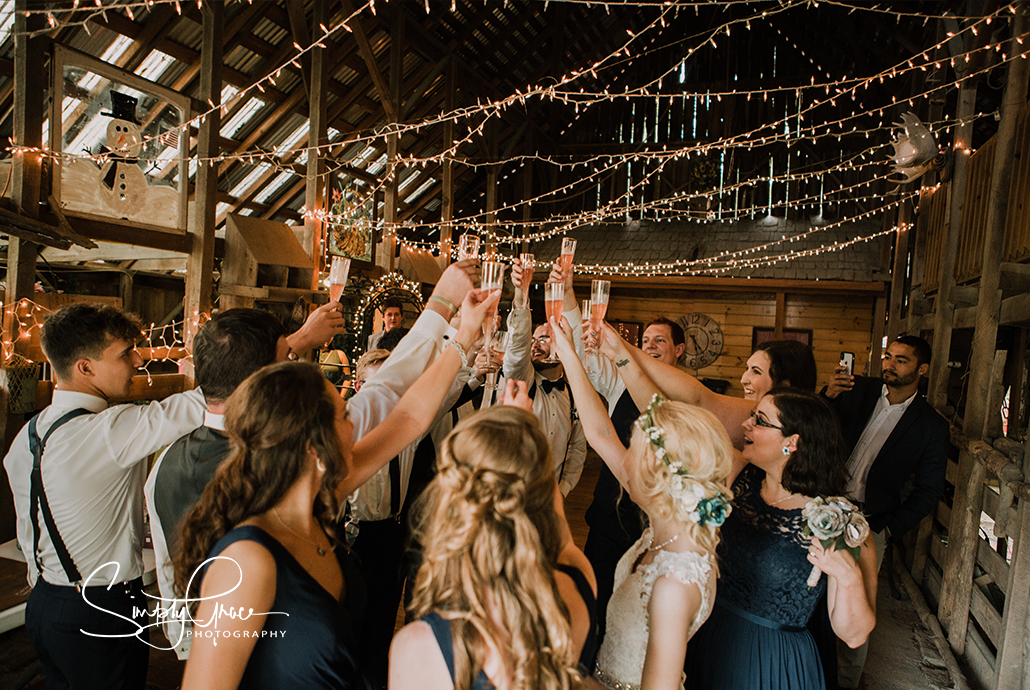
641,388
600,433
676,384
415,412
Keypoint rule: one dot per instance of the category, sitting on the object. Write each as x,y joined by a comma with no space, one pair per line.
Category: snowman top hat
123,107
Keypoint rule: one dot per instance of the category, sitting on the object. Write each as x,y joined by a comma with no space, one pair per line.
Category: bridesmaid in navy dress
756,637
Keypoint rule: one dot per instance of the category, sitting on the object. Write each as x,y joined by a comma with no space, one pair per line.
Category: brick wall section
647,241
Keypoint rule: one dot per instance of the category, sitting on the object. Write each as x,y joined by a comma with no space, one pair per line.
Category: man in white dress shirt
525,360
80,518
894,435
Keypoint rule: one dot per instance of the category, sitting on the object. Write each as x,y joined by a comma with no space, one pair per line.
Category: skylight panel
248,181
228,93
222,208
155,65
289,142
421,190
6,19
242,117
274,186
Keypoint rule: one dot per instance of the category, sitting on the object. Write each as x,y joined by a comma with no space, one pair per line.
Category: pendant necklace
321,551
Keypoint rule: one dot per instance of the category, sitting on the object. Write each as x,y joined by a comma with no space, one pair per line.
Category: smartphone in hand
847,361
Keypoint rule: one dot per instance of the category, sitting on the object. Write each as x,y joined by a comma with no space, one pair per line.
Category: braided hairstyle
271,419
492,536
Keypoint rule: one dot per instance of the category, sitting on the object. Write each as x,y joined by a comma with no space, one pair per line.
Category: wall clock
703,340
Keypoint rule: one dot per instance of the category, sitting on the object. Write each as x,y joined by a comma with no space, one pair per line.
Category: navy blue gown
313,646
756,637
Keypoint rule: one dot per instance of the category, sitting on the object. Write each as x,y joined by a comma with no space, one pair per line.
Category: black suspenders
37,497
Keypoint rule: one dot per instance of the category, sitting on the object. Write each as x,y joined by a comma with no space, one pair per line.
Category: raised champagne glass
498,345
599,292
528,263
339,270
554,298
468,247
568,253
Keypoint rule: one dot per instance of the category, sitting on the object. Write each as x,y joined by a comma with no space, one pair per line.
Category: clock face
703,340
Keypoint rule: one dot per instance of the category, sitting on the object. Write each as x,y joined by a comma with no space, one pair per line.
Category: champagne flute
528,263
338,273
599,292
498,345
554,298
492,278
568,251
468,247
587,348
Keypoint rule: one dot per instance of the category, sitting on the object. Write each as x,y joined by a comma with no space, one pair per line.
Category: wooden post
314,194
781,315
944,308
965,520
201,259
901,237
876,346
26,169
1013,662
447,208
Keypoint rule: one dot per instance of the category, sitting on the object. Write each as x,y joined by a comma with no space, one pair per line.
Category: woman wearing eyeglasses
756,637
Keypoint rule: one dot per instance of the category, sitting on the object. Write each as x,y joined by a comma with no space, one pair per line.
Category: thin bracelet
461,351
445,302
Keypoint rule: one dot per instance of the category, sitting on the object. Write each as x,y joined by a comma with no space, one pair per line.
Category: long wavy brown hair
271,419
492,536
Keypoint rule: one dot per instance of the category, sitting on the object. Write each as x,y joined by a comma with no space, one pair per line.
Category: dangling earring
321,467
786,450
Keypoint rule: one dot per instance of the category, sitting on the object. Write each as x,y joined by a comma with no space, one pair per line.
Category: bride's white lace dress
620,663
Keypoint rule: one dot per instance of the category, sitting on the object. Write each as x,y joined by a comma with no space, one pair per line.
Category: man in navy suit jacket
893,434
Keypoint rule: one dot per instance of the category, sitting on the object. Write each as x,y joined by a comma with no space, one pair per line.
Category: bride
675,469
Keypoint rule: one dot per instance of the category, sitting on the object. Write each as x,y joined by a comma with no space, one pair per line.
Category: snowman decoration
123,185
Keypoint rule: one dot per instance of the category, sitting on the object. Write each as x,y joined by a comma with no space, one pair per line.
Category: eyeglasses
541,339
763,422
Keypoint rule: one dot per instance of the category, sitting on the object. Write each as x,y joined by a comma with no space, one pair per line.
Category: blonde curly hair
693,440
491,538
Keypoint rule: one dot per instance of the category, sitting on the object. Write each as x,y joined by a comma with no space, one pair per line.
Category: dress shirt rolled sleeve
384,389
518,362
93,477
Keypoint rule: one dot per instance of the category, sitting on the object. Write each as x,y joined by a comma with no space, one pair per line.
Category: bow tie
548,386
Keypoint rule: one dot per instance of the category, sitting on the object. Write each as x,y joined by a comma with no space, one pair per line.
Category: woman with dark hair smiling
756,637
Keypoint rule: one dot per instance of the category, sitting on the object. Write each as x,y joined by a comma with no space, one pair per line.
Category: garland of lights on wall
164,342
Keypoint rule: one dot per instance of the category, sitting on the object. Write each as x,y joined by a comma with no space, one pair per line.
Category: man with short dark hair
228,348
76,470
393,317
893,434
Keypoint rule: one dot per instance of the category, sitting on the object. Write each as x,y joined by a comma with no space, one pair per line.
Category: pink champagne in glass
338,274
554,298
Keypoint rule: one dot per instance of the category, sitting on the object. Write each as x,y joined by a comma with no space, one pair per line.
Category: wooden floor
18,660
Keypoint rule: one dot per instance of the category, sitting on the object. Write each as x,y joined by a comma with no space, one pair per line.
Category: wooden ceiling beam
302,37
367,54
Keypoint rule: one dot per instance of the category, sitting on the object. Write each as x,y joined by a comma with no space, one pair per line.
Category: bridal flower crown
704,510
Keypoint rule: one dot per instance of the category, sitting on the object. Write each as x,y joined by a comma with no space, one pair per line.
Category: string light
159,343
